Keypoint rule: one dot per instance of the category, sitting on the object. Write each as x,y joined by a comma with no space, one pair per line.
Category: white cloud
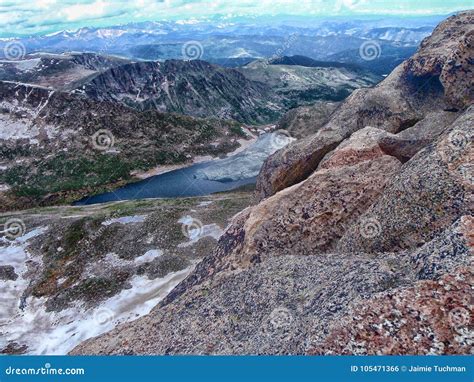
85,11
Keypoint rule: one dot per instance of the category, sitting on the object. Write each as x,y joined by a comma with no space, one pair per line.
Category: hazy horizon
22,18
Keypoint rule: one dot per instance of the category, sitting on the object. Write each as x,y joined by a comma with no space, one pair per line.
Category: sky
24,17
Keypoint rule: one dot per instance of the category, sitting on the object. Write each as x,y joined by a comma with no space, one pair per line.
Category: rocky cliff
434,81
362,241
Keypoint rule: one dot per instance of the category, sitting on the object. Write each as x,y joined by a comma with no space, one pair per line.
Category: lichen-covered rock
431,317
444,253
433,190
362,146
458,70
407,143
449,53
326,204
302,304
294,163
279,306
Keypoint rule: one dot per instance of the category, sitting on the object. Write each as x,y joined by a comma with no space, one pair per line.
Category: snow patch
125,220
59,332
148,256
196,231
15,254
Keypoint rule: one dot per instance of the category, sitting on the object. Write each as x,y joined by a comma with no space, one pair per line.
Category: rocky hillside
195,88
362,241
83,270
58,146
56,71
257,93
299,80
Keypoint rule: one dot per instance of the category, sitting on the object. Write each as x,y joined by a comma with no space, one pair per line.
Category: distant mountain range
227,42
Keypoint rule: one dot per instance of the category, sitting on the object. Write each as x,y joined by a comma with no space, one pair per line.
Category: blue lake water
201,178
177,183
